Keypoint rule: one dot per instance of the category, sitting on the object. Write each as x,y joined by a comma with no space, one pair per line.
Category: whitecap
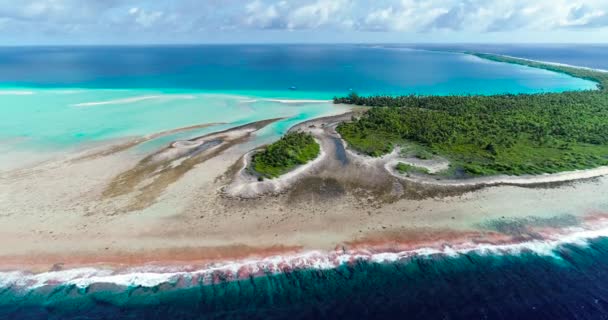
154,275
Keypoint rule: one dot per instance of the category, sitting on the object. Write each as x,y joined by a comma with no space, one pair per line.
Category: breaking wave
155,275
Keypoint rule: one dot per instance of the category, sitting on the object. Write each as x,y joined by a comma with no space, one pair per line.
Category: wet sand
170,207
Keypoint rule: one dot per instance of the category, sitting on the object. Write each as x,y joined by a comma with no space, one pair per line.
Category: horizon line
291,43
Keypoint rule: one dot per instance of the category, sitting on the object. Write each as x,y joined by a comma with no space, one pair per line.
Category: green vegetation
293,149
405,168
600,77
486,135
423,154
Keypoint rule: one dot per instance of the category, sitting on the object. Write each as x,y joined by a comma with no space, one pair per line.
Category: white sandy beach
61,212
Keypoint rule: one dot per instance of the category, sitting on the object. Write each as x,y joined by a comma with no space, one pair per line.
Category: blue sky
300,21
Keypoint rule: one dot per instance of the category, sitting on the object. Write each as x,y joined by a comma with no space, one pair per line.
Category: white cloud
53,10
145,18
260,15
314,15
483,16
292,15
407,15
83,19
583,15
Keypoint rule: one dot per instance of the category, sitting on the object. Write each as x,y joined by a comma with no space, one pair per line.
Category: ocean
59,99
587,55
321,71
569,284
93,95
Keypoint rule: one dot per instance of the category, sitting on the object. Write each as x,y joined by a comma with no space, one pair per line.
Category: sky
48,22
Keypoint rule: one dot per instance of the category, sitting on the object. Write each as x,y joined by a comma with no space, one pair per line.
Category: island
578,72
292,150
508,134
264,205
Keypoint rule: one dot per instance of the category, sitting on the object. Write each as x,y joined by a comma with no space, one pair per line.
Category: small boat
293,88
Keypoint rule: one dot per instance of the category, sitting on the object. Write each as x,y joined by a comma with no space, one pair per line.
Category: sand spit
107,151
292,101
523,180
432,166
246,185
164,213
437,164
92,151
337,170
547,62
376,174
151,176
134,100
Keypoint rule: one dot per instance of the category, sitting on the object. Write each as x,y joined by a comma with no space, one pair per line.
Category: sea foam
154,275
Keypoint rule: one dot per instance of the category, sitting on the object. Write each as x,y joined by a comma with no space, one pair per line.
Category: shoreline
279,96
245,185
600,80
170,223
523,180
389,161
243,262
286,96
558,64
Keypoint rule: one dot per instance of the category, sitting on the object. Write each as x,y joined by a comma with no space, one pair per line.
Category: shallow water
53,121
583,55
57,100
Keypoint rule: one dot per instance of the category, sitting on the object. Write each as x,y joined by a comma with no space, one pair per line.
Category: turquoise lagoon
58,99
51,120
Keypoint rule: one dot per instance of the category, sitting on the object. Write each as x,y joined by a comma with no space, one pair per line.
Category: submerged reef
432,287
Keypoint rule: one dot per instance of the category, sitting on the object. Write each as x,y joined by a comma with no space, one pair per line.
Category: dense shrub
509,133
293,149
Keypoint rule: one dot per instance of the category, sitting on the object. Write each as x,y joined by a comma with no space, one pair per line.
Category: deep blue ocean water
572,284
316,70
64,98
583,55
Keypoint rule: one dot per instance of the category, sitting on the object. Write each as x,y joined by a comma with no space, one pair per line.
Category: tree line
482,125
293,149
